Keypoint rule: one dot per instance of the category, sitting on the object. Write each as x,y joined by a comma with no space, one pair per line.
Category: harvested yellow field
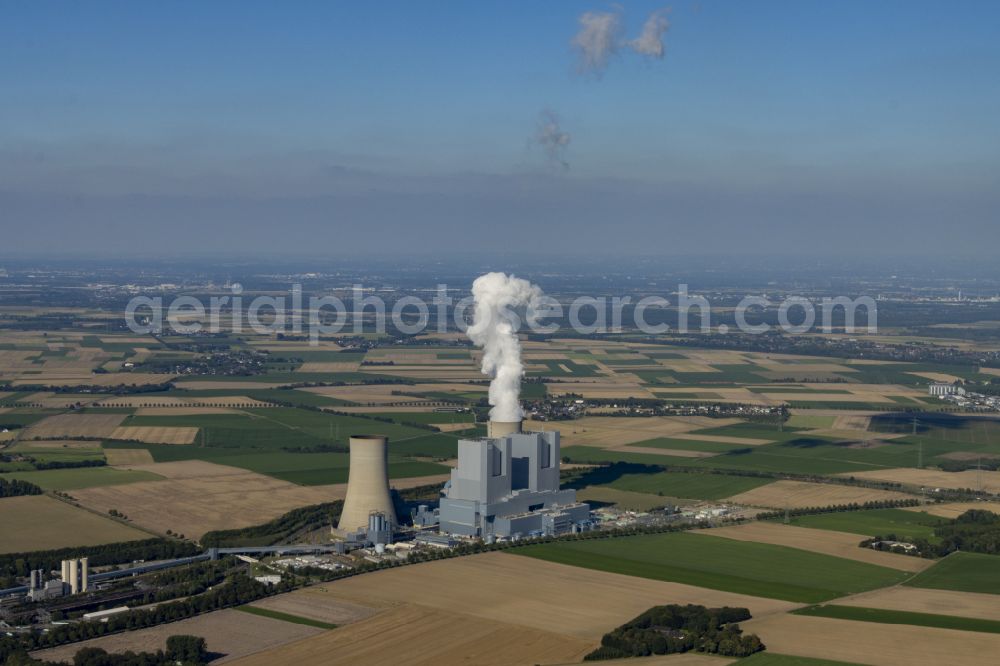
612,432
937,377
329,367
725,439
556,598
197,498
677,453
852,422
316,606
39,522
871,642
128,457
827,542
227,385
457,639
74,425
231,633
932,478
156,434
937,602
798,494
956,509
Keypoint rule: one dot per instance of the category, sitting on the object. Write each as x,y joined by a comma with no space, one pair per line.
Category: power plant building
76,575
507,484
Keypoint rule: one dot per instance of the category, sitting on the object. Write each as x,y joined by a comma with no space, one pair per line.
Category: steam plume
494,329
551,137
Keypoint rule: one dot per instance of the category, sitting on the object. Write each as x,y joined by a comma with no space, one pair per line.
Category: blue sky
781,124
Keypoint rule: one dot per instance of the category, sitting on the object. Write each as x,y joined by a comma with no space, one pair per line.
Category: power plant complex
506,485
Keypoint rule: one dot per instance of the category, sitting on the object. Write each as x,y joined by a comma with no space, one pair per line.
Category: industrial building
507,485
76,575
368,497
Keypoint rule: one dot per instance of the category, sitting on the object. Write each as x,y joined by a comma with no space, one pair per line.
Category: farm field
884,616
39,522
875,522
694,486
838,544
926,600
931,478
81,478
471,640
800,494
229,632
507,588
724,564
965,572
871,643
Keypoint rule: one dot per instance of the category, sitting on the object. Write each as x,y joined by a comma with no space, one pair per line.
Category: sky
323,128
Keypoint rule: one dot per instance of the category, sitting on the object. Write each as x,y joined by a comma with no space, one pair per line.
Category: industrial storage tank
367,484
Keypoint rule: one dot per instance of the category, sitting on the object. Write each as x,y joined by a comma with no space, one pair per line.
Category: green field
285,617
756,569
771,659
81,477
964,572
691,486
689,445
902,617
875,522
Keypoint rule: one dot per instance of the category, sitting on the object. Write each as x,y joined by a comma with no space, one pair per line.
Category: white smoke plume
494,329
597,40
650,40
551,137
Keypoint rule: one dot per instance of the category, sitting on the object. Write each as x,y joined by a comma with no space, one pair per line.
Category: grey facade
509,485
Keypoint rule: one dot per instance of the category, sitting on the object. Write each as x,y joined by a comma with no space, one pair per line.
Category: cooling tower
367,483
502,428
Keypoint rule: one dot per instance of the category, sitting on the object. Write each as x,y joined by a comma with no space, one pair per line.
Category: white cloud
597,40
650,40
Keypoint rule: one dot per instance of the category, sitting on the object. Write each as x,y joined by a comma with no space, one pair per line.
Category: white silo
367,484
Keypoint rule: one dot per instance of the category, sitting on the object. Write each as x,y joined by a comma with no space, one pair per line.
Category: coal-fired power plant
367,484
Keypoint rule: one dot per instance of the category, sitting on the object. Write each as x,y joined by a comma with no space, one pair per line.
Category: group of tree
16,488
674,628
180,650
975,531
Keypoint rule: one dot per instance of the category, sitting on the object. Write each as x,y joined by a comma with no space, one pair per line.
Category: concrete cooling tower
367,483
502,428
